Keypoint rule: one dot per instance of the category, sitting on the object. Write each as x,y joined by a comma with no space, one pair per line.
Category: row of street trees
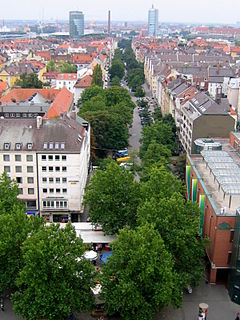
117,69
158,251
110,112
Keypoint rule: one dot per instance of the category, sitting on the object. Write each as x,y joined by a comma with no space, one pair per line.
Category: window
231,235
6,146
50,145
44,204
44,157
44,190
50,180
62,145
64,180
29,157
57,180
20,190
64,190
64,169
19,179
57,158
29,169
58,190
30,191
7,169
31,204
229,257
6,157
56,145
44,169
57,204
50,169
18,169
44,180
29,146
64,158
50,157
51,190
18,146
30,180
57,169
65,204
45,145
18,157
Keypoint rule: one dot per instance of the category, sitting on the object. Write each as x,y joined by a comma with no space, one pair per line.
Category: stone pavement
220,307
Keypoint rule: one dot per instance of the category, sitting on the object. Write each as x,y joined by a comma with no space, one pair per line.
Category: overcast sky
125,10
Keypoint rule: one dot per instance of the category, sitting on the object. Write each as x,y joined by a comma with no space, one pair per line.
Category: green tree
97,76
9,202
115,81
53,282
156,153
117,69
67,67
112,197
29,81
14,230
51,66
139,92
138,280
89,93
177,222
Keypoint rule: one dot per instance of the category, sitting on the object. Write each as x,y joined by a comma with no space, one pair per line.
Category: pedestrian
237,316
1,304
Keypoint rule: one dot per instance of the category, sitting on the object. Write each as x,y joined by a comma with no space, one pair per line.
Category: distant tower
76,24
152,22
109,21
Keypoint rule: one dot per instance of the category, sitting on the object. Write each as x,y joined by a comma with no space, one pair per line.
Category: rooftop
219,171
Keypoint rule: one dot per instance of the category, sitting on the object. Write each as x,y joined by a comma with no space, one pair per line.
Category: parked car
122,153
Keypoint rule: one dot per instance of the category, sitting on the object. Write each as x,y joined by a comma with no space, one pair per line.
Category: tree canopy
112,197
138,279
117,69
29,81
51,66
67,67
55,280
97,76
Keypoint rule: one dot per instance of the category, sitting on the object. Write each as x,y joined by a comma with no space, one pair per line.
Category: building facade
152,22
76,24
51,170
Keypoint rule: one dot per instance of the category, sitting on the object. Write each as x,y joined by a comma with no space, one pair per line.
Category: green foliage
67,67
139,92
138,280
124,43
117,69
14,230
51,66
29,81
9,202
53,281
112,197
178,224
159,132
97,76
115,81
237,43
109,111
156,153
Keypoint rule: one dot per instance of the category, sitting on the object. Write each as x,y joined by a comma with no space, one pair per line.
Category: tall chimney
39,122
109,21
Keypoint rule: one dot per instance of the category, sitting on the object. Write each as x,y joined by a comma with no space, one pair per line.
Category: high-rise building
109,21
152,22
76,24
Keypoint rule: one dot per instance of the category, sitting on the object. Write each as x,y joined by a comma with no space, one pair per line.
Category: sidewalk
220,307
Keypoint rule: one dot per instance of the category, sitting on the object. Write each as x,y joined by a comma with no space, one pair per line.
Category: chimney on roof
74,114
219,95
39,122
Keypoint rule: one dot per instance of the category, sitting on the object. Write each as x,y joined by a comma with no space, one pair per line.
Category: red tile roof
83,58
3,86
67,76
84,82
19,94
61,104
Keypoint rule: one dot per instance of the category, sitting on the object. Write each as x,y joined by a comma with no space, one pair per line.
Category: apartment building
49,159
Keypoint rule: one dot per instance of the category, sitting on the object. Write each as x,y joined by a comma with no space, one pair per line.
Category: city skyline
184,11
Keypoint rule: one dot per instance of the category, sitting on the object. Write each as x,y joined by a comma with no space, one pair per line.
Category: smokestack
109,21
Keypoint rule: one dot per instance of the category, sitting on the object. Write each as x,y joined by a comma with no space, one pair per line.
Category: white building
49,160
66,80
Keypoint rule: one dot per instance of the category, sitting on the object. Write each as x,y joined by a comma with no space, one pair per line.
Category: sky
205,11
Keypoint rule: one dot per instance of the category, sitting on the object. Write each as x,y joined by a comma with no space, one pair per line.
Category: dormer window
29,146
56,145
45,145
50,145
6,146
62,145
18,146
